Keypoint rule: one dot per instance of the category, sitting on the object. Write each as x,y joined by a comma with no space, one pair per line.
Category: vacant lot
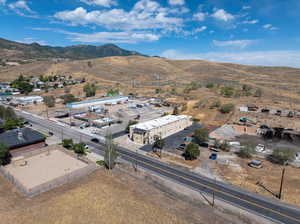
103,197
269,176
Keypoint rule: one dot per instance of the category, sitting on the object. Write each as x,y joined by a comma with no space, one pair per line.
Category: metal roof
97,101
159,122
21,137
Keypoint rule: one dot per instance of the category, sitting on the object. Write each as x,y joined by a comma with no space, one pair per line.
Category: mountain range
11,50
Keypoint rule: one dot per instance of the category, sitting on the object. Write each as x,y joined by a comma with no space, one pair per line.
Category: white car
260,148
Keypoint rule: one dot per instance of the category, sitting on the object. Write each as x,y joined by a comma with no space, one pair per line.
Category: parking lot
173,141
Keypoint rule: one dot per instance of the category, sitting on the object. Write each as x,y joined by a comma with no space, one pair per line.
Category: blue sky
258,32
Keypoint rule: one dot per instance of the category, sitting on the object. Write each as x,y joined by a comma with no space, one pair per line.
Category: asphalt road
260,205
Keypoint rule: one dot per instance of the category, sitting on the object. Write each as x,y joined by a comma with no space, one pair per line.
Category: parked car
181,147
255,164
50,133
213,156
96,140
260,148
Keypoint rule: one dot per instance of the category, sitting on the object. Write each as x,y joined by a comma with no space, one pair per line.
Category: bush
90,90
100,163
226,108
67,143
49,101
4,155
192,151
209,85
282,155
201,135
69,98
227,91
79,148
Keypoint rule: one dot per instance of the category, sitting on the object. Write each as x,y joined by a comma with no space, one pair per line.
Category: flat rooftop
97,101
44,167
159,122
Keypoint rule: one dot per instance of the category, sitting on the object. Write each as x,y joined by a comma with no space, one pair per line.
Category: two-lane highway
268,208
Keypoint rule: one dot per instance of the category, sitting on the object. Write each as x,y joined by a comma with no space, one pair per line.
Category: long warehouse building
101,101
145,133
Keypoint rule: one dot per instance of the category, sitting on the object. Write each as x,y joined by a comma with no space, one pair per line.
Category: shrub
226,108
67,143
201,135
227,91
282,155
4,155
209,85
79,148
192,151
100,162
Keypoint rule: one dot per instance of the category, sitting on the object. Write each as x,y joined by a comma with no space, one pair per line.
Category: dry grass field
270,176
103,198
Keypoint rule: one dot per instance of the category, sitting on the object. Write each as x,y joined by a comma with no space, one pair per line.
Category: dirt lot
269,176
103,197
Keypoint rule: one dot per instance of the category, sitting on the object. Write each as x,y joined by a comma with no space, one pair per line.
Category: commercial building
145,133
102,101
29,99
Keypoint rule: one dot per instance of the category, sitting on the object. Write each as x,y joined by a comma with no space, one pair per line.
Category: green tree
111,154
69,98
67,143
90,90
283,155
49,101
201,135
4,155
227,108
131,122
192,151
13,123
246,88
159,144
79,148
175,111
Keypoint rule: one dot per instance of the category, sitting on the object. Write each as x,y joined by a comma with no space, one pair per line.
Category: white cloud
263,58
250,21
245,7
270,27
104,3
113,37
200,16
200,29
2,2
146,14
106,37
21,8
176,2
222,15
233,43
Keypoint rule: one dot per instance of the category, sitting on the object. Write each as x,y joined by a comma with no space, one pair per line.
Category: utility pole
70,115
281,183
